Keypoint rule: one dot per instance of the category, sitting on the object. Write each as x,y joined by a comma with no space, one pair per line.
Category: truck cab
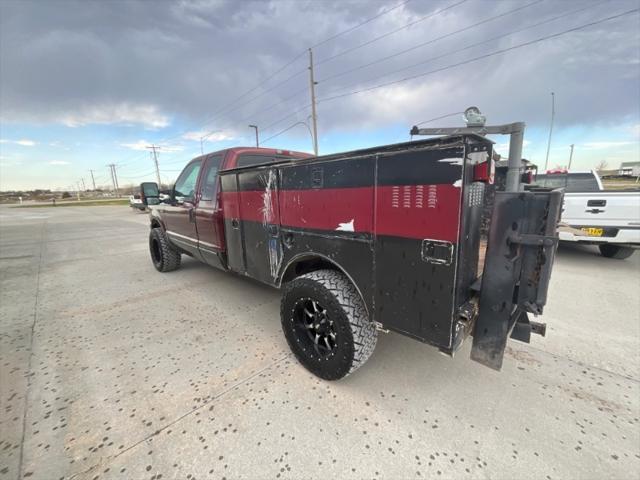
192,218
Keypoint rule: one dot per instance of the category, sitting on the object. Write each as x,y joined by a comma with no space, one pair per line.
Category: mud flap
521,248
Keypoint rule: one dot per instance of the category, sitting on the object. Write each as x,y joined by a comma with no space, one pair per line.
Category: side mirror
149,193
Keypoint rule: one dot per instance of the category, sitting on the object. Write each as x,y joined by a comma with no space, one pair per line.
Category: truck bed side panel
326,210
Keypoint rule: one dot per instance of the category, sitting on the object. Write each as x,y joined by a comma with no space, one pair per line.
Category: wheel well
309,263
304,265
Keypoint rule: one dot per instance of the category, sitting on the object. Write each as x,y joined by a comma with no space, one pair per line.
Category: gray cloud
147,62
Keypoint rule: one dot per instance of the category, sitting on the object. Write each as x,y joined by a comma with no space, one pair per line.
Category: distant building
631,169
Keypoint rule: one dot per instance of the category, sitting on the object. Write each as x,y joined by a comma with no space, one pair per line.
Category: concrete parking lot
110,369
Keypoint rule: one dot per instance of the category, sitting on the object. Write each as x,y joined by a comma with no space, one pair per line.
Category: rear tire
165,257
615,251
326,324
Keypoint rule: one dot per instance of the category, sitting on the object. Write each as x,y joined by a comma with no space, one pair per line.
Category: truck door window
186,184
210,177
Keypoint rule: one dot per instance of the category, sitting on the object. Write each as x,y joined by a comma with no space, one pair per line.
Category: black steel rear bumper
521,247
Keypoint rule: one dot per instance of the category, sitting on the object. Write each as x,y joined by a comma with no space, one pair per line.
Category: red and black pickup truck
386,238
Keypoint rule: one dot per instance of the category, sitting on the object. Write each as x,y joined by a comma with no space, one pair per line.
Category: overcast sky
84,84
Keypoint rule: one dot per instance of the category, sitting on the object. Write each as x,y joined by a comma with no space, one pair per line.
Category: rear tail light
484,172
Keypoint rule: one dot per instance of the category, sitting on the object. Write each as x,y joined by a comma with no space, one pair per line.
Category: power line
289,115
295,94
261,94
439,118
512,32
287,129
407,25
476,44
274,105
300,72
234,102
351,29
428,42
481,57
135,177
251,90
225,108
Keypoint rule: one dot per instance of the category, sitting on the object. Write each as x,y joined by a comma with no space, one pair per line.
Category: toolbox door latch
437,251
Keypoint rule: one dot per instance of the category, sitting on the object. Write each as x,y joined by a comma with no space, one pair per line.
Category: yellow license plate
593,232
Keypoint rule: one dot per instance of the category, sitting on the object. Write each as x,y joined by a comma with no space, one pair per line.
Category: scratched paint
275,250
451,161
267,201
346,227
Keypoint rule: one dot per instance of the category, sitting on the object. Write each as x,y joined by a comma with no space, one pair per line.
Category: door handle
192,215
594,210
235,223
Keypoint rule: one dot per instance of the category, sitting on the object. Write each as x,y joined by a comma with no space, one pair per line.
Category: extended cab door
209,220
179,217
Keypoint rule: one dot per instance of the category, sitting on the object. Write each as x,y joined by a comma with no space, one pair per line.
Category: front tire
165,257
615,251
326,325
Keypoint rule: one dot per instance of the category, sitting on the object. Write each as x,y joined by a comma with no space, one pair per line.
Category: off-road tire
615,251
356,336
165,257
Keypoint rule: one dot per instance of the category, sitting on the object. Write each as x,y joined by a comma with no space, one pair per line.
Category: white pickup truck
609,219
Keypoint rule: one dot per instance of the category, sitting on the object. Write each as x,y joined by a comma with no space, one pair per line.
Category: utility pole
312,85
255,127
114,178
93,180
155,159
84,188
553,114
570,157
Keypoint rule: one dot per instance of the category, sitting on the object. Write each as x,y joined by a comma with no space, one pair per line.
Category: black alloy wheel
314,326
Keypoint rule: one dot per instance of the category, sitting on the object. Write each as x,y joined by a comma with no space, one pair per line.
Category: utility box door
417,227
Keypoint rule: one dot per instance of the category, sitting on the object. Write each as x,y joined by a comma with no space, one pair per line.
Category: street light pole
255,127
